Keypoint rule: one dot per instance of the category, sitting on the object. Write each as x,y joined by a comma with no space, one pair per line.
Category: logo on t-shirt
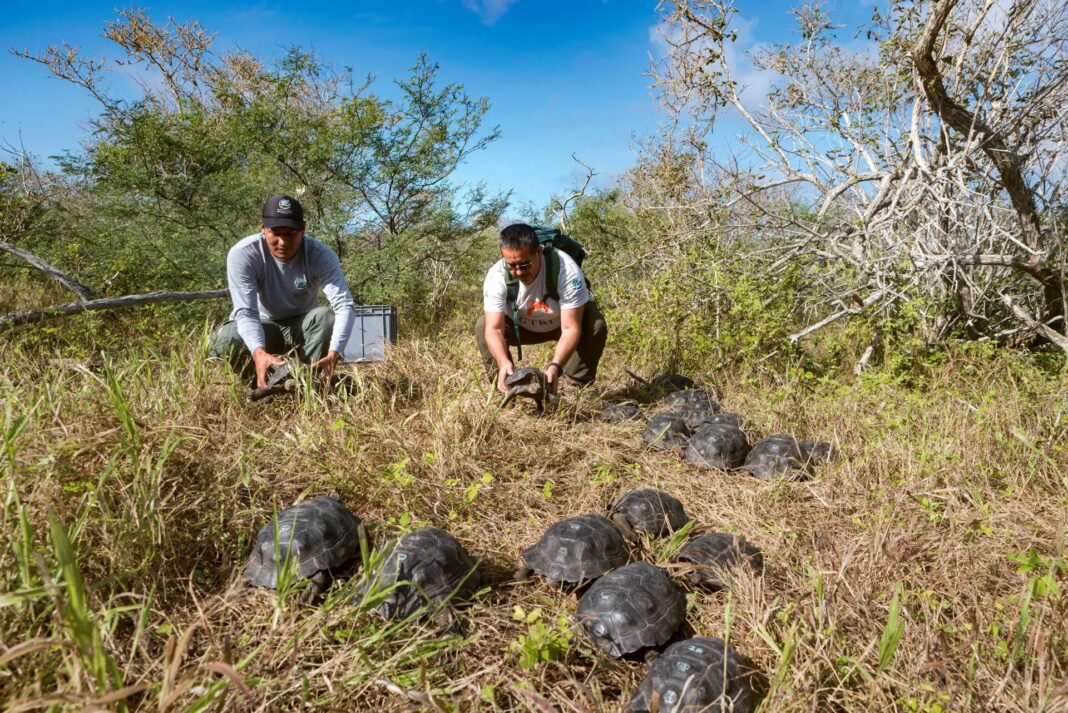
538,306
300,284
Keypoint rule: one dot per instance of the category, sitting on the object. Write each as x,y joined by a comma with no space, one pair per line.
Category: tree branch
1044,329
868,302
55,273
12,319
1009,163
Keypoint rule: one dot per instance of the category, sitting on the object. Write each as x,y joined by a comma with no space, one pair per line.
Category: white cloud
489,11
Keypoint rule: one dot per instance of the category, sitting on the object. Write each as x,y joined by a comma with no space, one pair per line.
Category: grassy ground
924,570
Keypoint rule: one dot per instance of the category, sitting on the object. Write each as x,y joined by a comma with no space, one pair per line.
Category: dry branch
868,302
1044,329
15,318
48,268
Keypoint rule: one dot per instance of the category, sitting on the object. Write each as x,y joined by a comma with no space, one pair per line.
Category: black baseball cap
283,211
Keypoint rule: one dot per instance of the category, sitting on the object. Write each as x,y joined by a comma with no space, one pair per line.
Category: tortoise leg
624,528
447,621
316,584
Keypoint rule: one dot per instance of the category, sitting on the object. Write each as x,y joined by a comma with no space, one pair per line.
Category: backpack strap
512,284
552,272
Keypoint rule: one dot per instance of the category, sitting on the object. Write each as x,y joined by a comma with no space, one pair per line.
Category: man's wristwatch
559,369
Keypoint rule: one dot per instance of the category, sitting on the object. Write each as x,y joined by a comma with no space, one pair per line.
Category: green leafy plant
544,640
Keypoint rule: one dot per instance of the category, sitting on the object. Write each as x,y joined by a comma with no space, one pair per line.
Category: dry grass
162,475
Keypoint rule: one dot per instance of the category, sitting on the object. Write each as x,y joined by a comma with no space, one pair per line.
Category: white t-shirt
537,312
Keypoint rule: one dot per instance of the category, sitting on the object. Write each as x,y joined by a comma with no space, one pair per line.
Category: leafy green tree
171,179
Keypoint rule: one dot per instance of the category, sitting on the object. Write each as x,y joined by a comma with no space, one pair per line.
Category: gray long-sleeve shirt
265,287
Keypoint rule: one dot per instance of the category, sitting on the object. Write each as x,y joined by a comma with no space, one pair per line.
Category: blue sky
562,77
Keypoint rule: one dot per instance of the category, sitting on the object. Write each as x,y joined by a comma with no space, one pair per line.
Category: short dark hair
518,236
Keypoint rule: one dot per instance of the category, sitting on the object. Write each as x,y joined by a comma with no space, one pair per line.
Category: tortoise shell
775,456
666,430
714,552
670,382
817,452
652,511
690,396
429,568
577,549
315,535
697,675
631,608
617,413
528,378
717,445
732,419
696,414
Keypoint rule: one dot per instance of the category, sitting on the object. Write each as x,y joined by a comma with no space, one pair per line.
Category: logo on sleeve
576,283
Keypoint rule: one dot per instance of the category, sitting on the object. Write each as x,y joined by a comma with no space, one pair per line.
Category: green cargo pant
308,333
581,368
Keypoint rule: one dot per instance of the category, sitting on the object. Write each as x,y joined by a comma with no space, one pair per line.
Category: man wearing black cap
275,277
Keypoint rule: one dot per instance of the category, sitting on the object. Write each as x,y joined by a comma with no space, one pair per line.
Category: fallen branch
1044,329
12,319
868,302
862,363
49,269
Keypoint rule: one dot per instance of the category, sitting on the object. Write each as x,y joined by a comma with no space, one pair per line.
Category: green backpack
550,240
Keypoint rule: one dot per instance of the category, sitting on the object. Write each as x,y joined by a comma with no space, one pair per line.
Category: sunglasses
513,266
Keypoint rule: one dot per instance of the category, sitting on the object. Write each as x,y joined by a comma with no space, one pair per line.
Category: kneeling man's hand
325,366
503,373
264,362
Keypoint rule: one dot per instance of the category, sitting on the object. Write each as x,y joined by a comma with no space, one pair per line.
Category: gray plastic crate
374,327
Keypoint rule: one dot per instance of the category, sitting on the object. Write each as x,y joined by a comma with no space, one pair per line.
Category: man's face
283,242
523,263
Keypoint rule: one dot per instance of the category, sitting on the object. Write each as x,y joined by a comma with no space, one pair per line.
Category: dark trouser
580,368
308,333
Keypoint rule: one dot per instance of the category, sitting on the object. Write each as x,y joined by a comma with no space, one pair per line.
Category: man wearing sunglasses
275,277
566,315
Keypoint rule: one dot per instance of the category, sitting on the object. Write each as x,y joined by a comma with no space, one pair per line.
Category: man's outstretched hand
264,362
325,366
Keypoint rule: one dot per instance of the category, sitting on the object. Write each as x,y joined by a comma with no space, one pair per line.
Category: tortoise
717,445
531,383
817,452
316,537
280,381
696,675
666,430
691,396
695,415
647,510
732,419
714,552
617,413
578,549
663,383
774,456
427,568
631,608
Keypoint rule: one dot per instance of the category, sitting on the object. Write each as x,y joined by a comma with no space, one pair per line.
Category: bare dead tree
560,205
927,165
